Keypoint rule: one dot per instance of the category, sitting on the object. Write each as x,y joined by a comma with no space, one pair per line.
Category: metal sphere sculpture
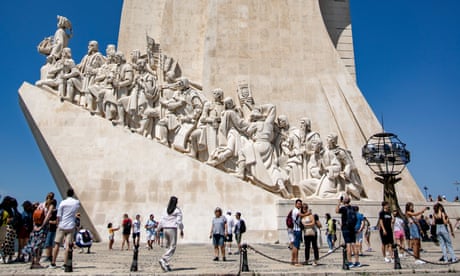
387,157
385,154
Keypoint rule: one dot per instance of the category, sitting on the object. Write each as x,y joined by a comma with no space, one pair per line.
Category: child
398,229
111,234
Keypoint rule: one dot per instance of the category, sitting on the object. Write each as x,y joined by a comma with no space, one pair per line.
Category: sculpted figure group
149,96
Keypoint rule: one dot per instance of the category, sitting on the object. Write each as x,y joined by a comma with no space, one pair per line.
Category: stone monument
226,109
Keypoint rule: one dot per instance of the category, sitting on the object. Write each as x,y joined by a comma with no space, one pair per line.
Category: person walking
218,233
136,230
229,237
240,229
126,225
441,222
170,223
330,232
398,230
151,227
66,225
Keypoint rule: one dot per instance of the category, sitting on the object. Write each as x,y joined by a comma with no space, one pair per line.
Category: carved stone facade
149,96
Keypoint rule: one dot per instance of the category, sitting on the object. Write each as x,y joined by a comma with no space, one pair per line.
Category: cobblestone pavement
196,259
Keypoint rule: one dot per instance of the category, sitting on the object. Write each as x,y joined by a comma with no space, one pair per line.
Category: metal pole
135,256
397,260
244,258
68,264
344,258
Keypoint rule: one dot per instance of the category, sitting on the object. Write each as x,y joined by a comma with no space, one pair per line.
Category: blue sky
407,59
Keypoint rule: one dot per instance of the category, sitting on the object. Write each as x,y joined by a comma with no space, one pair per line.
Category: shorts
399,234
64,233
349,235
111,237
414,232
136,235
386,239
151,235
359,237
218,240
290,235
229,238
297,239
238,238
49,242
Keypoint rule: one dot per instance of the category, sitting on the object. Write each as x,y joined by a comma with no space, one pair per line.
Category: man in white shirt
66,225
229,237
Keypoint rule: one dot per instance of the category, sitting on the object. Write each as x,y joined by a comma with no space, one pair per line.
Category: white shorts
291,235
151,236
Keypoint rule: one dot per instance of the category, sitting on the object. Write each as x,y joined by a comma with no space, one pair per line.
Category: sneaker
419,262
163,265
314,263
52,266
330,251
168,267
454,260
357,264
229,253
387,260
351,265
215,259
224,259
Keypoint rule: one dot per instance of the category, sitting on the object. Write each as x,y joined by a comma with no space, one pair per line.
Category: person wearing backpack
294,231
84,239
349,221
240,229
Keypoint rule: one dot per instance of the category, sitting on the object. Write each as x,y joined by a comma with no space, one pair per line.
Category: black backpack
85,236
242,226
352,219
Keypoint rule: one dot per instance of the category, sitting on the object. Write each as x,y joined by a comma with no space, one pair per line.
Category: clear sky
407,62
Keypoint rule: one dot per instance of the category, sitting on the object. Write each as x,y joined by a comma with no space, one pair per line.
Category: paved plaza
196,259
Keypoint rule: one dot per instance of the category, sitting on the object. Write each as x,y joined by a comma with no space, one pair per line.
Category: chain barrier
287,262
425,260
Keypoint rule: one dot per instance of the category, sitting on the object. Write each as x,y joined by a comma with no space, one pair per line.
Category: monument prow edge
114,171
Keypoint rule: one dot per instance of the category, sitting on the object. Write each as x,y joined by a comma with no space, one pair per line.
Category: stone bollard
68,264
344,258
396,254
135,256
244,258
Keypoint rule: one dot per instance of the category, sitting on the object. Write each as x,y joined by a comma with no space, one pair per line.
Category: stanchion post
135,256
397,260
344,257
68,264
244,258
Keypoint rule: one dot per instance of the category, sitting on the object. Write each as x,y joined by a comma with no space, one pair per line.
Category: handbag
310,231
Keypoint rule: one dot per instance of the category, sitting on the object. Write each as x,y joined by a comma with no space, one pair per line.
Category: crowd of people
44,227
403,230
41,227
